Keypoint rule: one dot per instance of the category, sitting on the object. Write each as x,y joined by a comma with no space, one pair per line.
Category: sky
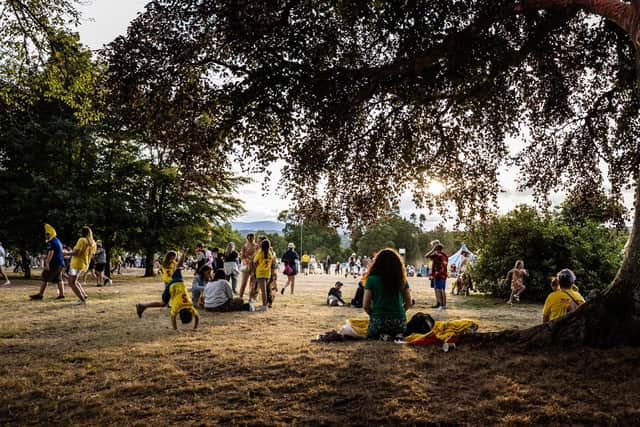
104,20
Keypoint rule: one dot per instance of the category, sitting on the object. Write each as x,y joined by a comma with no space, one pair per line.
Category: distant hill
245,228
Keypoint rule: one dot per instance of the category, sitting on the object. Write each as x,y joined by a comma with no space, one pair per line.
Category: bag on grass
419,323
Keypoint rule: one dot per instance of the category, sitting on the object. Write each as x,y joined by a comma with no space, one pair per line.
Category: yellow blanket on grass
442,330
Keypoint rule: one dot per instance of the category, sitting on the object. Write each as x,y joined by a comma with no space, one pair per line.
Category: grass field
101,365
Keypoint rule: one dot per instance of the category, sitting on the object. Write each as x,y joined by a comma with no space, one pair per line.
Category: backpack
420,323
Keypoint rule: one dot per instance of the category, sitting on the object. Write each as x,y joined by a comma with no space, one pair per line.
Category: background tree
408,92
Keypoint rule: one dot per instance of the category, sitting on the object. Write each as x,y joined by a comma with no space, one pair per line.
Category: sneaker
516,298
442,307
36,297
139,310
60,297
79,302
108,282
7,283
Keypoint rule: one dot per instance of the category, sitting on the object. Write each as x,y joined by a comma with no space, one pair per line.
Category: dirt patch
100,365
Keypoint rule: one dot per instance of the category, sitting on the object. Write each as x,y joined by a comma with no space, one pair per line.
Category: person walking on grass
100,263
53,264
175,294
290,267
515,277
439,261
3,256
387,296
262,262
80,255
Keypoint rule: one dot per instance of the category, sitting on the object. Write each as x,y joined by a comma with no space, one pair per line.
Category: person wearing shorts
100,263
80,256
53,264
438,273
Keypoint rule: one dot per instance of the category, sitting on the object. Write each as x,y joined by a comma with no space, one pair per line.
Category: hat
291,245
50,231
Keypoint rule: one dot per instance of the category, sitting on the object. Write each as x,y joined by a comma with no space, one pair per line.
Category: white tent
455,258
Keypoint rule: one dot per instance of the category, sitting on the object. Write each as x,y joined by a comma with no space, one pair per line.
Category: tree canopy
388,96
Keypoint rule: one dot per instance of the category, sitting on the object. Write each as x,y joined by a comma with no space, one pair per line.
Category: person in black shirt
335,295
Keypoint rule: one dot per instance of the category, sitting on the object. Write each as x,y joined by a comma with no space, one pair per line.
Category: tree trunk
611,319
26,263
148,270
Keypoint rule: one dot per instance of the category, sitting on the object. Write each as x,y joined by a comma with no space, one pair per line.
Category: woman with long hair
82,252
247,253
387,296
262,265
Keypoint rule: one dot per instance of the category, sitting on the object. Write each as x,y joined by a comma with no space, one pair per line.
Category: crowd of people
223,277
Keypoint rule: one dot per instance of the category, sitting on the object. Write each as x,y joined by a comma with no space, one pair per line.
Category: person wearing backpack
564,300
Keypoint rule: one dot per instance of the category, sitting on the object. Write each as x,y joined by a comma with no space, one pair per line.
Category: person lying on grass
175,292
387,296
335,295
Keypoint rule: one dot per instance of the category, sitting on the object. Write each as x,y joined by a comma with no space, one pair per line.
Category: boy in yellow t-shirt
262,262
175,292
563,300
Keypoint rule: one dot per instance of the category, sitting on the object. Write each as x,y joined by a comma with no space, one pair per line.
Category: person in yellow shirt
304,263
80,255
175,292
262,263
170,264
563,300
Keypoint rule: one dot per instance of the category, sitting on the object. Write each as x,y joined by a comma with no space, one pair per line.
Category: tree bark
148,270
26,263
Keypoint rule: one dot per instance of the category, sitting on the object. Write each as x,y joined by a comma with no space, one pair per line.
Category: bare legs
77,289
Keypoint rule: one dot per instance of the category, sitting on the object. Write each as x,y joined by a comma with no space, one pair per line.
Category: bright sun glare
435,187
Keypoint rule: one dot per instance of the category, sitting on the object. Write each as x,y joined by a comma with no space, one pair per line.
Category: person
169,265
201,256
464,279
217,259
3,256
358,298
304,263
53,264
562,300
231,265
272,284
262,266
218,295
290,267
387,296
100,263
439,261
80,255
516,277
200,280
335,295
117,265
327,264
336,271
247,252
175,294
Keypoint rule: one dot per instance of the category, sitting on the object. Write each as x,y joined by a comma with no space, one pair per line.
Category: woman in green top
386,295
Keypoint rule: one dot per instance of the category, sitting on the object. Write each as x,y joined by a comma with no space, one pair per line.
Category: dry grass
101,365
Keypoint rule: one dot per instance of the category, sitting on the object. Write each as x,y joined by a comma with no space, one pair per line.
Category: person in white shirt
218,295
3,256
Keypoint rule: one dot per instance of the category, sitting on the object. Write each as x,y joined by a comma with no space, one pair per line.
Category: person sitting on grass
175,292
218,295
335,295
563,300
387,296
200,280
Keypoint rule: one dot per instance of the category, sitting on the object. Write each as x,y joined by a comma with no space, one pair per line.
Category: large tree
366,99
